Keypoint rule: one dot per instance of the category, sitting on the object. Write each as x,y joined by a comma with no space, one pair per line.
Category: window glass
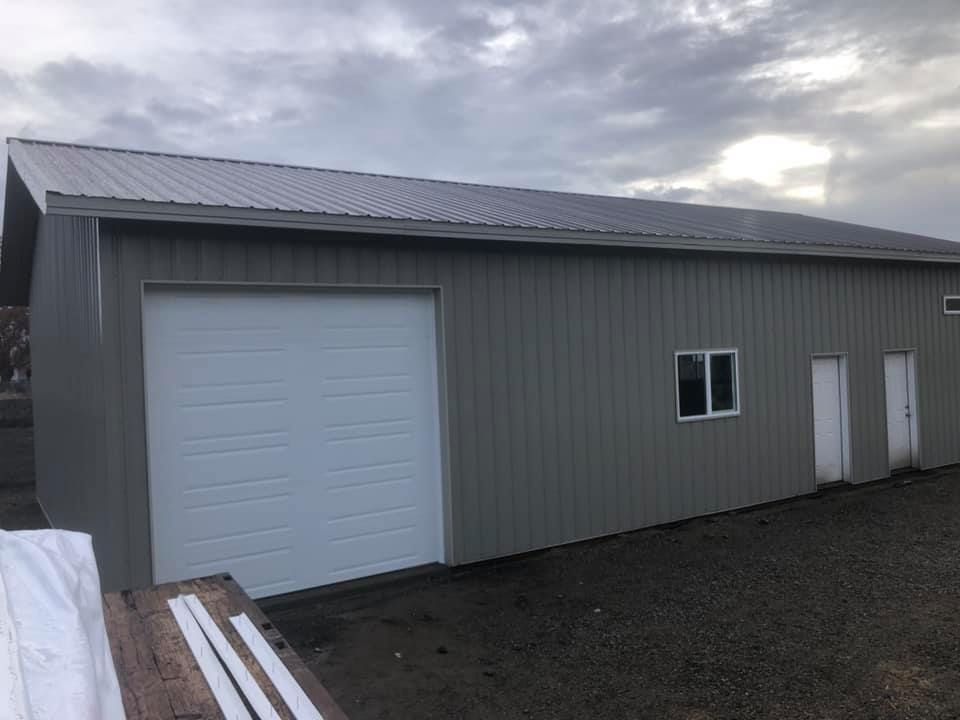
951,304
723,378
692,385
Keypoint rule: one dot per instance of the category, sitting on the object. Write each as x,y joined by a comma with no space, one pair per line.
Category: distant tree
14,342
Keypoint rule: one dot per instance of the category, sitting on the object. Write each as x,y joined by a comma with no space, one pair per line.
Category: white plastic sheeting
55,660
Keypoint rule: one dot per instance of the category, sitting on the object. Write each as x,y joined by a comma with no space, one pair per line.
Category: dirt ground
842,606
16,456
18,506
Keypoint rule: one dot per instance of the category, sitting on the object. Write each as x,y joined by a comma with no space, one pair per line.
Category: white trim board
288,687
217,679
228,656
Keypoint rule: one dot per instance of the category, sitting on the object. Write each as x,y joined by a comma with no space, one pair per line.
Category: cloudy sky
843,108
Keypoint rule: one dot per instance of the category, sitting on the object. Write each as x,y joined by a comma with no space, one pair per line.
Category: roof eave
175,212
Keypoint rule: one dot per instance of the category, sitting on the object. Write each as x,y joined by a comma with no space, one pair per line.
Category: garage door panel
206,338
215,394
265,568
351,481
394,382
235,441
365,408
234,468
361,336
373,499
370,451
220,492
293,435
351,570
209,550
227,518
253,417
360,430
344,363
237,366
362,551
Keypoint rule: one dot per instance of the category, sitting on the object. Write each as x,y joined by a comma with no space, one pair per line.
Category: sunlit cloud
786,167
503,48
765,158
941,120
811,193
809,72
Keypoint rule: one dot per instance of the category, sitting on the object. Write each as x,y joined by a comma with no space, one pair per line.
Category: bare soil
842,606
16,456
18,505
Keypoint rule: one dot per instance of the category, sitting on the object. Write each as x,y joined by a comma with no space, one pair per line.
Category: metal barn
307,376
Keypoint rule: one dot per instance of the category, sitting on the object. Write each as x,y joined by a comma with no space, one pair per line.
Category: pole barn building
306,376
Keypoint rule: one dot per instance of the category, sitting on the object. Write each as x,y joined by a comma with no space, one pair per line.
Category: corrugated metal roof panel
93,172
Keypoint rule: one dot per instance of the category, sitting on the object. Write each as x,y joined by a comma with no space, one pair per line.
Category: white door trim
844,378
441,461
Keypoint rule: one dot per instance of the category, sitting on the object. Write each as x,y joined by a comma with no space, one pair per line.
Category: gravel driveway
842,606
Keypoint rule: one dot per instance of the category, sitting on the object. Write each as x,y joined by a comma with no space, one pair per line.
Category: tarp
55,661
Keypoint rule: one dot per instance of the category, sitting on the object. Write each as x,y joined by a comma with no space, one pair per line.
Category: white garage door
292,436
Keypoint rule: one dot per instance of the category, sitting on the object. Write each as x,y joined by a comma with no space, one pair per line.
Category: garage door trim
449,550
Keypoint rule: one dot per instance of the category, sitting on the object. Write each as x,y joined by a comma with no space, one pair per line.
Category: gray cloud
610,96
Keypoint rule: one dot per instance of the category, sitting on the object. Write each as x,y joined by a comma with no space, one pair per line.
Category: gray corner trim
174,212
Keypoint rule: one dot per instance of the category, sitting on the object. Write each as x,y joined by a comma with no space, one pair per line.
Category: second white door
901,424
829,419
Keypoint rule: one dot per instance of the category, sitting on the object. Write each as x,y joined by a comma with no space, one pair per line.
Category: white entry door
293,437
901,411
829,419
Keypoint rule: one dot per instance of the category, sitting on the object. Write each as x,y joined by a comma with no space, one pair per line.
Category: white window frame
707,354
950,297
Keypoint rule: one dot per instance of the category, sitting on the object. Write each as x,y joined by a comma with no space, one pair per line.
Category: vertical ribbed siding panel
742,460
70,389
559,372
564,420
483,503
467,498
535,482
606,468
658,421
591,432
634,322
546,378
500,399
942,361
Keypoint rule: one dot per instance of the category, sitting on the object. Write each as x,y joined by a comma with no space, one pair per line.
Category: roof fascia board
57,204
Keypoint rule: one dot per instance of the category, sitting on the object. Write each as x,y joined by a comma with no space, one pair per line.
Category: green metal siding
559,370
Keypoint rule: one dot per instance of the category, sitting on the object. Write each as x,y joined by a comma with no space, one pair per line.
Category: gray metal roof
57,170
